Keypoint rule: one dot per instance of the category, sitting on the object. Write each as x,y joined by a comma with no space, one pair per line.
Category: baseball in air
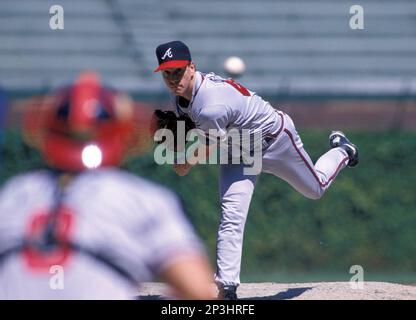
234,66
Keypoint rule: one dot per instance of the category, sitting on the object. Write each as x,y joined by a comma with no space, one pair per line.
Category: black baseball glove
168,120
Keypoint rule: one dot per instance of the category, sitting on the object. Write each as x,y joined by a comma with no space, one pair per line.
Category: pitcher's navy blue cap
174,54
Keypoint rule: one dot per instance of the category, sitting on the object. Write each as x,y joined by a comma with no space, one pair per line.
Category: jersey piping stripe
282,123
309,166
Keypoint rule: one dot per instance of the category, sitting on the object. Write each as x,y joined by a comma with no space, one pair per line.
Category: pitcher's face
179,80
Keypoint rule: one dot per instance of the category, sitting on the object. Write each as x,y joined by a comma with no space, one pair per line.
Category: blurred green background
367,217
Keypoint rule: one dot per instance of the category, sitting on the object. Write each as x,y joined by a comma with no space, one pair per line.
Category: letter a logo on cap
173,54
167,53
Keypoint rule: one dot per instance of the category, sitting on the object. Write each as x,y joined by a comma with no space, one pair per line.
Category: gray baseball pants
284,158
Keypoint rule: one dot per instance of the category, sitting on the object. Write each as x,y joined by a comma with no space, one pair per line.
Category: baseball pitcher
214,103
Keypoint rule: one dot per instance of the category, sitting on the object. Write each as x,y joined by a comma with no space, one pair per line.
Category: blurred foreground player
85,229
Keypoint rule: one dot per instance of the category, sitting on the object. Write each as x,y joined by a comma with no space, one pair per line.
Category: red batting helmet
86,126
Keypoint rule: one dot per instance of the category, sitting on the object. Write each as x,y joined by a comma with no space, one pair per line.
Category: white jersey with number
129,230
223,104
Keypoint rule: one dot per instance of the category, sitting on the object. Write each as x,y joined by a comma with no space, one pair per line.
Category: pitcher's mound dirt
303,291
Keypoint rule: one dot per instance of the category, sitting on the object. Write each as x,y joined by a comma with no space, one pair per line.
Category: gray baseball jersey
123,230
223,104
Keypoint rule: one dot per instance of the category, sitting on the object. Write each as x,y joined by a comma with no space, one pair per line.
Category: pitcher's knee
315,193
233,219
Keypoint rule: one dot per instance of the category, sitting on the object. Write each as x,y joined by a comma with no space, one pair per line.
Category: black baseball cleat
338,139
228,293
